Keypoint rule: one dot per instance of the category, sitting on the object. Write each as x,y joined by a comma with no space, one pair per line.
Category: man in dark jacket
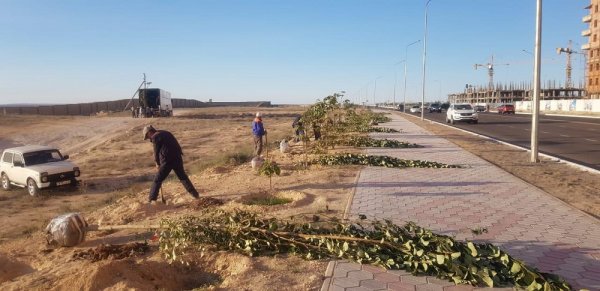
167,156
258,131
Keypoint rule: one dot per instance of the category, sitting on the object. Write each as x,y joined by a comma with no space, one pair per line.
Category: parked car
479,108
35,168
506,109
435,108
415,109
461,112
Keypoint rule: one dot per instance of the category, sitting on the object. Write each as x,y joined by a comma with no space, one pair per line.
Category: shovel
162,198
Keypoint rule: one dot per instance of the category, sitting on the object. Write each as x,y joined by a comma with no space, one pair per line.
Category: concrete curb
327,281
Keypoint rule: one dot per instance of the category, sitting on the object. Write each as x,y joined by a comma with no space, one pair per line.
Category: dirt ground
578,188
117,168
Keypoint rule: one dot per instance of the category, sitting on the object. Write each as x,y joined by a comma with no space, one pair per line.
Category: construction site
494,93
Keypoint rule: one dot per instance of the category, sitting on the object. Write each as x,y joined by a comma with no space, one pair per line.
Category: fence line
115,106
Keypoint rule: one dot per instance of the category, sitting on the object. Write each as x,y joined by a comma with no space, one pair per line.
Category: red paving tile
524,220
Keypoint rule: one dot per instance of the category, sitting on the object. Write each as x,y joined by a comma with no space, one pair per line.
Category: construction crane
568,51
490,67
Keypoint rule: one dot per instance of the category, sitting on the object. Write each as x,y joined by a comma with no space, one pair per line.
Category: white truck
36,167
155,102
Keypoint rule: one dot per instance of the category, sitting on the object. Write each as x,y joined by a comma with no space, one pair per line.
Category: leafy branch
383,243
361,141
378,161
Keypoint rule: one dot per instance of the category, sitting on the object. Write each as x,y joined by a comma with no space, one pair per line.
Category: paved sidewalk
525,221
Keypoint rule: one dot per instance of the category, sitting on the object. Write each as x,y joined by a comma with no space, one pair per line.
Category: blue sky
282,51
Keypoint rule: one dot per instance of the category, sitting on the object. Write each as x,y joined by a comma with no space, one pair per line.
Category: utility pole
536,84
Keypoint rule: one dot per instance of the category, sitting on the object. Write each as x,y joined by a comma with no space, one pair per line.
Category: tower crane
568,51
490,67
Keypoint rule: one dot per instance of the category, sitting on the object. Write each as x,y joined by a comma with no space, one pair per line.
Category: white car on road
461,112
35,168
415,109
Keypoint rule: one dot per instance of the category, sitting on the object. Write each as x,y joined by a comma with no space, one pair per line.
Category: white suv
461,112
36,167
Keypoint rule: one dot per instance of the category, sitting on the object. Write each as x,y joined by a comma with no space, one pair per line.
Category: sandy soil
117,166
578,188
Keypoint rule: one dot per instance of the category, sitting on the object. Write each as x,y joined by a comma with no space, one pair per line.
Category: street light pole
406,61
424,61
375,91
536,83
396,82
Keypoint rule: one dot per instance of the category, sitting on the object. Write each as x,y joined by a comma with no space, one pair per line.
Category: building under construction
593,49
510,93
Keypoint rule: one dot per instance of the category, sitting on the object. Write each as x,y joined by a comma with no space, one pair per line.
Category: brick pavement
525,221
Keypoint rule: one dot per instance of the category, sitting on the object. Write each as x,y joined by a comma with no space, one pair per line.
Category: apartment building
593,49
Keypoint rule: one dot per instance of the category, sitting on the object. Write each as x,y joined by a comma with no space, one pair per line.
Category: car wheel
5,182
32,187
74,182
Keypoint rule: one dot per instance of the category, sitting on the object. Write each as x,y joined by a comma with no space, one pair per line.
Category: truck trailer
155,102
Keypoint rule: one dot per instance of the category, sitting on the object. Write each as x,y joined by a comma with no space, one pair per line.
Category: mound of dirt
204,202
11,268
116,252
131,275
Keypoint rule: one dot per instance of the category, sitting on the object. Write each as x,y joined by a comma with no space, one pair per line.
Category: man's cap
258,114
147,128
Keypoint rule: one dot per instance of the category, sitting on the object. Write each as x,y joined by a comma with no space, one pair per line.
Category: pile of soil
116,252
205,202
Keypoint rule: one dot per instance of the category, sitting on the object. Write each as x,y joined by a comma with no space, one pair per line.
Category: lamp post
424,60
406,58
536,83
396,81
375,91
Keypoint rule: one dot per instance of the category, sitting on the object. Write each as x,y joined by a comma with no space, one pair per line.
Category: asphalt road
574,139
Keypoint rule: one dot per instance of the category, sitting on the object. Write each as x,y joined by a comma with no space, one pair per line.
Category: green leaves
378,161
269,168
380,129
409,247
361,141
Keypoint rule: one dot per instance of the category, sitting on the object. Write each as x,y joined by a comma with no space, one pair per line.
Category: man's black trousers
163,172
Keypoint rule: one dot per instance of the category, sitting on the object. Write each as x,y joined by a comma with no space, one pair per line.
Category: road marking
525,129
545,132
562,120
564,135
592,140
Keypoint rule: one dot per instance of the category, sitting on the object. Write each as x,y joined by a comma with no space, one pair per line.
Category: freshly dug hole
264,198
11,268
108,251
